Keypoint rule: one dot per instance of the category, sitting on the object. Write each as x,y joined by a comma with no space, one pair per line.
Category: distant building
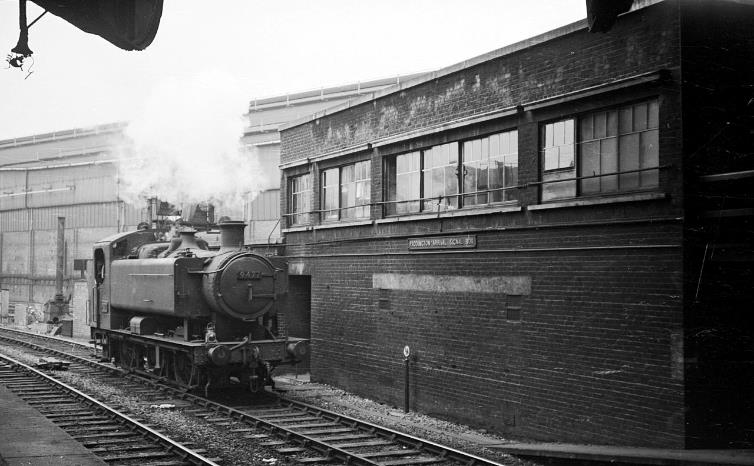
69,174
560,231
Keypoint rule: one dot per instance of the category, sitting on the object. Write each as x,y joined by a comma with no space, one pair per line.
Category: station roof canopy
127,24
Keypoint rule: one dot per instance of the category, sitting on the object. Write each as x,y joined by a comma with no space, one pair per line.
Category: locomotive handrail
241,344
221,269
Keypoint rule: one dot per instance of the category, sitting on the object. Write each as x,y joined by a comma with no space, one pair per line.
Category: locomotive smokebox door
244,286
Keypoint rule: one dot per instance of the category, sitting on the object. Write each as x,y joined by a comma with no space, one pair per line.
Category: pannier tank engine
197,317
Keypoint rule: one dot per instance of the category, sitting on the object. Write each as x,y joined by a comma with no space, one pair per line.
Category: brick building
560,230
261,139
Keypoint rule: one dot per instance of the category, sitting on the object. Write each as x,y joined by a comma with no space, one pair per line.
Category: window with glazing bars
300,199
442,175
621,144
346,192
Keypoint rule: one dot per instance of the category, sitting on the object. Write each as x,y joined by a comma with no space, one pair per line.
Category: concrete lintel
599,201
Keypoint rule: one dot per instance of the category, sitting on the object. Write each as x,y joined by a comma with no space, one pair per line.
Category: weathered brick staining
589,359
579,60
569,325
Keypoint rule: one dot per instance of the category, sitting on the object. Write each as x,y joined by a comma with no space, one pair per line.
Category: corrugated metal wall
263,214
28,257
18,287
69,174
12,190
72,185
15,220
99,215
59,186
266,206
16,253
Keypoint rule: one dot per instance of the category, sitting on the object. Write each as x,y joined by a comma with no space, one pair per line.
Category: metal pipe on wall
60,260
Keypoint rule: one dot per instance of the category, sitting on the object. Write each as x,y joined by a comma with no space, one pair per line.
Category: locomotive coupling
219,355
298,349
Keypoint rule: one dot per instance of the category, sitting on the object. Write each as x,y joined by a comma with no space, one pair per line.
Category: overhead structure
127,24
602,14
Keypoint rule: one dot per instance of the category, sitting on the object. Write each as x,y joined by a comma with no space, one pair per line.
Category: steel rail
27,333
400,437
233,413
323,447
79,359
170,445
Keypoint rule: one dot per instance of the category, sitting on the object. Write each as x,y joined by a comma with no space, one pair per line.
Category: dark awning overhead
127,24
602,14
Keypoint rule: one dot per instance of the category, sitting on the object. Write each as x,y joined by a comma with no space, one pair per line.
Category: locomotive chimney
231,235
188,240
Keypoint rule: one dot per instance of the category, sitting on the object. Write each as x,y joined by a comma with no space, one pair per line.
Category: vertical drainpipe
30,229
60,262
117,197
26,190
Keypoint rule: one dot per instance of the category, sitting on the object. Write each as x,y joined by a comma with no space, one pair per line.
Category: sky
248,49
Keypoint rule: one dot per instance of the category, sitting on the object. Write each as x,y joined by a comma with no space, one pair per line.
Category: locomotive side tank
195,316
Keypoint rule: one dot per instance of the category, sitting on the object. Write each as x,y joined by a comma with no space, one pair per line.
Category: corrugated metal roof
64,134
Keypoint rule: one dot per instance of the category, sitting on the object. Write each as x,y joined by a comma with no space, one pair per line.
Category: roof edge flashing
432,75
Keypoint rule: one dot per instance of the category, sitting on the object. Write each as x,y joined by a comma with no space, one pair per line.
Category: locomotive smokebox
231,235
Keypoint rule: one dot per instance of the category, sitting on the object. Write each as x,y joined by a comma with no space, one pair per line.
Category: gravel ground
219,442
185,428
458,436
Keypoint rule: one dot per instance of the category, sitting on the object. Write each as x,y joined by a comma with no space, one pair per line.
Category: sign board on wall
443,242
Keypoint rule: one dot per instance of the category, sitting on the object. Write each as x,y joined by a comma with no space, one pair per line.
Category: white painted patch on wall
297,268
513,285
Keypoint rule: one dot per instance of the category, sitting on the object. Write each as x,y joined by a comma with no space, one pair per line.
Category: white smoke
186,146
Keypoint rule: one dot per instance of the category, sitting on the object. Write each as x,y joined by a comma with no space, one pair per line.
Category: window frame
581,183
457,200
303,216
329,213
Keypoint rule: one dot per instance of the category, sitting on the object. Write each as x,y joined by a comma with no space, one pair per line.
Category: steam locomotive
197,317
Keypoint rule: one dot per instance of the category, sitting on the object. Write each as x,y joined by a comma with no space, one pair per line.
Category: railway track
293,429
111,435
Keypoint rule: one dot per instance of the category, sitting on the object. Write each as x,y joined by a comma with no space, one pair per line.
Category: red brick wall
589,361
597,354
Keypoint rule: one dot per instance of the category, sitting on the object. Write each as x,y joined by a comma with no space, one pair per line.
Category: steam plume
186,145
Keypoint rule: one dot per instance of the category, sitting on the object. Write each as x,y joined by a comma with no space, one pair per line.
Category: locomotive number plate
249,275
